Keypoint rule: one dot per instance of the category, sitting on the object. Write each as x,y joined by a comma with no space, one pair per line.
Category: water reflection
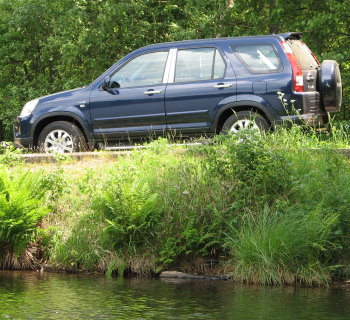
31,295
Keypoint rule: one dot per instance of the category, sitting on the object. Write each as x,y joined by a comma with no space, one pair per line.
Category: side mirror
105,83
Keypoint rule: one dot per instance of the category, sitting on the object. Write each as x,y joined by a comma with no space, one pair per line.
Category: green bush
252,205
154,202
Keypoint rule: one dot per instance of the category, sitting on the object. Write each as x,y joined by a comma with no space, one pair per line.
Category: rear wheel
245,120
61,137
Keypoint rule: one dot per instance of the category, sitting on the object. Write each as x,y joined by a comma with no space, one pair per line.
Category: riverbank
258,209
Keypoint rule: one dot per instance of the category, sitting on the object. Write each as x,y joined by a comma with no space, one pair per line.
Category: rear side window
304,55
261,58
199,64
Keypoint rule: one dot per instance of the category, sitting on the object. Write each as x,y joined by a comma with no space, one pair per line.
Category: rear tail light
297,71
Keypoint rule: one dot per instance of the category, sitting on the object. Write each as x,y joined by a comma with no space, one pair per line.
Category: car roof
281,36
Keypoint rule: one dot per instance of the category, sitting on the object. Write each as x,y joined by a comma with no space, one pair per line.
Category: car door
197,86
133,103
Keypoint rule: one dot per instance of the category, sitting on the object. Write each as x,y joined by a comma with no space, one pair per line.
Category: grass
274,247
266,209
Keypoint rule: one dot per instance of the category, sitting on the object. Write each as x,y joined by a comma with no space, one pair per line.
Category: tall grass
273,247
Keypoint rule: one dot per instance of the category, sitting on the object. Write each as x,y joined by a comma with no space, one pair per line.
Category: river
34,295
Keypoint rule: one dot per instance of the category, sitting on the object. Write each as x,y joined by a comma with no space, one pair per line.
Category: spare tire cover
330,85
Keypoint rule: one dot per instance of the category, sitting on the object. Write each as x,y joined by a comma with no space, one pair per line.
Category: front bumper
23,142
21,138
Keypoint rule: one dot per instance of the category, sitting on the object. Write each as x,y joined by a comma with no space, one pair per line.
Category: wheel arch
43,122
230,109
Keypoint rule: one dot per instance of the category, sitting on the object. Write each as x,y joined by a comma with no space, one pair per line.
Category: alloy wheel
244,124
58,141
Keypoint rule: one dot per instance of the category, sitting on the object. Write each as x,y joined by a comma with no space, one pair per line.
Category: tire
61,137
330,85
245,120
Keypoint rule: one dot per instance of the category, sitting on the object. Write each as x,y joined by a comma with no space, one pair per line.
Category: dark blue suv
189,88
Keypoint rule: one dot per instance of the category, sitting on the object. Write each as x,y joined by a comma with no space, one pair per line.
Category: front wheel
61,137
245,120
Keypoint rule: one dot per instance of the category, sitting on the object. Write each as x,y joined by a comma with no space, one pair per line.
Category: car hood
64,95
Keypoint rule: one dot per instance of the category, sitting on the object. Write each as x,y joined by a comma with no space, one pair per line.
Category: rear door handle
222,85
152,92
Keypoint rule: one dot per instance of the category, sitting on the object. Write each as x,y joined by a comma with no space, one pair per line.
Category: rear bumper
308,111
316,120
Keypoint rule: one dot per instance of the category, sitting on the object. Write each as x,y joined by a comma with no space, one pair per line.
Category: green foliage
9,155
78,247
55,184
251,167
132,210
148,206
270,208
48,46
276,210
21,209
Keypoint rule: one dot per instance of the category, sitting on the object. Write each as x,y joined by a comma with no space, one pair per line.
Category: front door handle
152,92
222,85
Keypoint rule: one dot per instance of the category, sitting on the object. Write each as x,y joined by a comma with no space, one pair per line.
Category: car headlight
28,108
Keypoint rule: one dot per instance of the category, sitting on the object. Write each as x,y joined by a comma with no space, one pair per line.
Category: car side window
199,64
144,70
261,58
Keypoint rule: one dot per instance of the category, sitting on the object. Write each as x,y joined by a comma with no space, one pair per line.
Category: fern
20,209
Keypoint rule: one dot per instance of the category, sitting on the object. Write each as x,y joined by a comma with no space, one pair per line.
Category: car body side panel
191,106
127,111
72,103
243,102
78,117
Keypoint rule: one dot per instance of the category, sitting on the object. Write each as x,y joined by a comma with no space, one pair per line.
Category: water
32,295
